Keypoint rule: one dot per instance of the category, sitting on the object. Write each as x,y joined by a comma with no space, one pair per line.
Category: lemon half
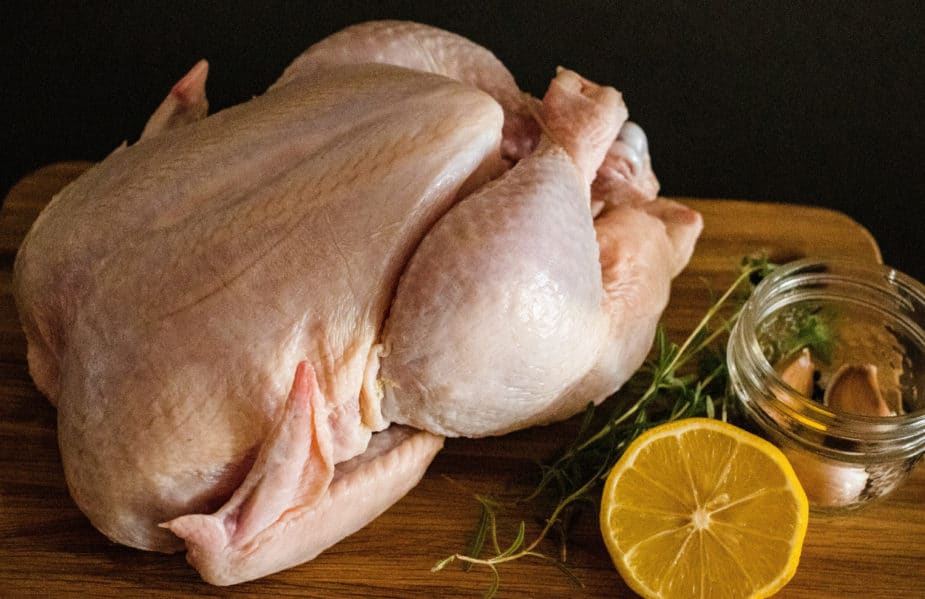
701,508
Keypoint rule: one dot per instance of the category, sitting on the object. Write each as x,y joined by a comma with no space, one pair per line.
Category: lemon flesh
701,508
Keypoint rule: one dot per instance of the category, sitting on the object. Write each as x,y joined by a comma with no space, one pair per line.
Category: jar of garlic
827,359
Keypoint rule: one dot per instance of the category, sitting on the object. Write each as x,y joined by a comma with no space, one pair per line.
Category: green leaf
481,533
495,582
585,422
815,331
711,410
518,541
568,572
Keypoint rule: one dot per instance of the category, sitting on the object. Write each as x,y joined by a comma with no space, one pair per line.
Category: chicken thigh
258,326
500,318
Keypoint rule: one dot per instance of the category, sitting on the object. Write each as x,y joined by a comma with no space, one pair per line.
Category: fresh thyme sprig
672,387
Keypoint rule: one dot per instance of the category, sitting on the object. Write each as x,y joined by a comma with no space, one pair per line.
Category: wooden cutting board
48,549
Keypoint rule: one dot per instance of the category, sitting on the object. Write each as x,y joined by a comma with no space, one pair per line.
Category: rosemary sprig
678,381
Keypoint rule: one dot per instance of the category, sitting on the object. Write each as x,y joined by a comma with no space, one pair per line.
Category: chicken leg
517,309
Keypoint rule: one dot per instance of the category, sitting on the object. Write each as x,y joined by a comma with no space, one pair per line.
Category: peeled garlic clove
827,484
855,390
798,372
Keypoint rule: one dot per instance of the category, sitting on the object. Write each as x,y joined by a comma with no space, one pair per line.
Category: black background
816,103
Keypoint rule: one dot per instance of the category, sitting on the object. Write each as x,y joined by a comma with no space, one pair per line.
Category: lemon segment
701,508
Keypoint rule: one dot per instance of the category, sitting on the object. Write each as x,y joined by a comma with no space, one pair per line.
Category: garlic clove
798,372
855,390
827,484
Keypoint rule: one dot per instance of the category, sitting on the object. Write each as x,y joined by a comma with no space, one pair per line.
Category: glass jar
862,314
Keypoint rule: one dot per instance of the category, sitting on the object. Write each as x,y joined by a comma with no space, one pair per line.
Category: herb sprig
678,381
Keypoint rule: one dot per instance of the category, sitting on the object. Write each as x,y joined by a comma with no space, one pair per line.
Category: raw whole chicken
258,326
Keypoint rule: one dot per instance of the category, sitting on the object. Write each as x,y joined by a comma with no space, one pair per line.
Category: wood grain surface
48,548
